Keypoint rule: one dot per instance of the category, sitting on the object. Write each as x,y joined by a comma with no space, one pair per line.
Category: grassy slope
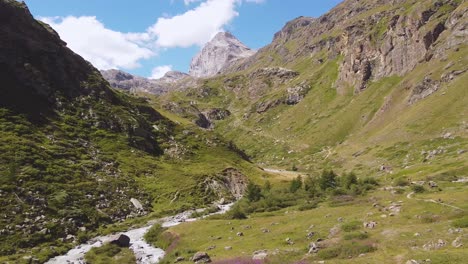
394,236
324,130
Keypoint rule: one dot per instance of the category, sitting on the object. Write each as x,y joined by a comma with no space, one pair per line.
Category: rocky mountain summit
219,53
126,81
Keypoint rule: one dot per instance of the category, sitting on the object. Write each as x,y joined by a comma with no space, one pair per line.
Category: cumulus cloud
196,26
103,47
159,71
255,1
188,2
107,49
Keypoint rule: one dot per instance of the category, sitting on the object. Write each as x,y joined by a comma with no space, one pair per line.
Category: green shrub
356,235
461,223
327,180
345,250
351,226
110,254
236,213
418,188
253,192
296,184
154,233
307,206
401,182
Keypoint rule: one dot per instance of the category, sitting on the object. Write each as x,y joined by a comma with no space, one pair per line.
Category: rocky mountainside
366,74
125,81
221,52
76,155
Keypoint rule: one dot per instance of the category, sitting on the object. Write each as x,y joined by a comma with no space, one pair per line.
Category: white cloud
103,47
159,71
188,2
255,1
196,26
106,48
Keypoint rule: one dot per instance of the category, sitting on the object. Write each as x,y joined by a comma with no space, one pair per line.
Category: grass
110,254
393,236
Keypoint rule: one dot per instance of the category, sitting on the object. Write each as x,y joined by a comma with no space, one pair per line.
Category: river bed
144,252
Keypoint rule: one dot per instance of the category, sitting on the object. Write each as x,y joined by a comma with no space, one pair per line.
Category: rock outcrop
221,52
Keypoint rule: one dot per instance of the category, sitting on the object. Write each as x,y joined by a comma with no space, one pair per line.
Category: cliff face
367,71
375,38
223,50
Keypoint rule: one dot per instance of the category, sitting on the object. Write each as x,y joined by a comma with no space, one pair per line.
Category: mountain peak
219,53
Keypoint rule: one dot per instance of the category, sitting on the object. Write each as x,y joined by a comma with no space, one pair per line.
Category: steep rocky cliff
223,50
76,155
366,73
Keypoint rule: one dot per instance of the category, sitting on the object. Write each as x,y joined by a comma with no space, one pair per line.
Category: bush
108,254
346,250
401,182
253,192
461,223
356,235
351,226
154,234
308,206
296,184
327,180
418,188
236,213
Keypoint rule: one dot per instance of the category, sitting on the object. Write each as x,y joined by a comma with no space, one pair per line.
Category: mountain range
344,140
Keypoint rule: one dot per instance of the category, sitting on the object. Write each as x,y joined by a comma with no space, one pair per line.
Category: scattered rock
260,254
412,261
417,234
340,219
457,242
434,245
454,230
370,225
211,247
448,135
179,259
240,234
333,231
201,257
432,184
310,235
137,204
289,241
70,238
265,230
228,248
313,248
121,240
386,168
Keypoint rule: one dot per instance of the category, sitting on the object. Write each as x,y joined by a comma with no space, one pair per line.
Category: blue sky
149,37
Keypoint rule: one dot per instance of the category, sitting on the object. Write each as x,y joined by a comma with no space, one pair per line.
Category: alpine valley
345,140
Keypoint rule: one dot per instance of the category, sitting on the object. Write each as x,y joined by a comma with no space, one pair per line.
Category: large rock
137,204
260,255
222,51
201,257
121,240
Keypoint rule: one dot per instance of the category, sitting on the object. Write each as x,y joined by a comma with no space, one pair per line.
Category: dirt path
410,196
